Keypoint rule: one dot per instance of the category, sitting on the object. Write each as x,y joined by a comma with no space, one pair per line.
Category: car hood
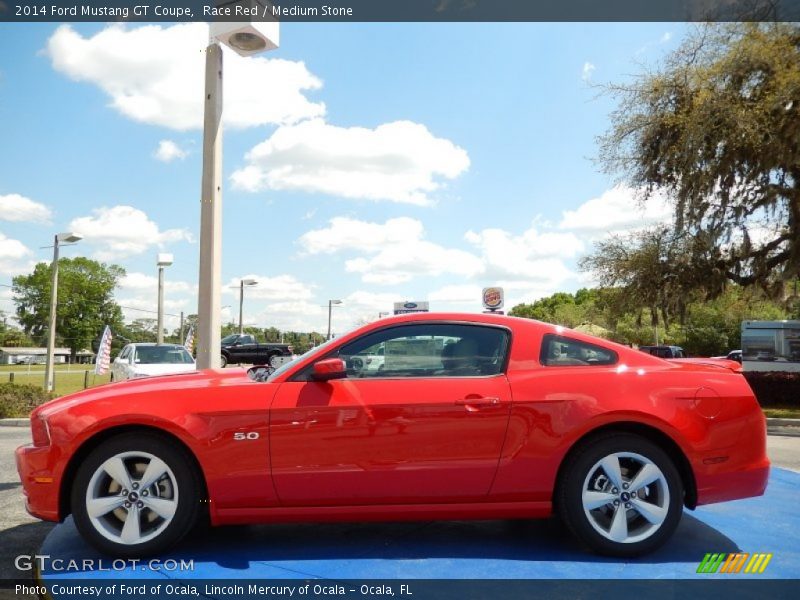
146,385
162,369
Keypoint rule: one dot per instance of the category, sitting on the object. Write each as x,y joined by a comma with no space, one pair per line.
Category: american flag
189,343
103,361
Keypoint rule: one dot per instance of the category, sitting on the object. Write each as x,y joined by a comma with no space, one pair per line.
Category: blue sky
365,162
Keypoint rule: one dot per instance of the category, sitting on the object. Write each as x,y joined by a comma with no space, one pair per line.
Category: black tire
223,361
187,486
581,467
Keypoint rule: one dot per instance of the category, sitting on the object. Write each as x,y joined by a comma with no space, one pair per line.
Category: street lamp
58,239
246,39
330,310
243,283
164,260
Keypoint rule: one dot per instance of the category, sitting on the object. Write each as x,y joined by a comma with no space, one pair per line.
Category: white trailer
771,345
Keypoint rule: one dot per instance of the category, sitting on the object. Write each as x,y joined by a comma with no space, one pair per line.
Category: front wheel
223,361
621,495
135,495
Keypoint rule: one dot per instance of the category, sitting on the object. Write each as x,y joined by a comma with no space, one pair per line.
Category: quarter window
560,351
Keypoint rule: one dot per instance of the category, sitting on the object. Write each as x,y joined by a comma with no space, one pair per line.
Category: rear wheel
135,495
621,495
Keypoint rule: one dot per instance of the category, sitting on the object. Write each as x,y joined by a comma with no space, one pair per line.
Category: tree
716,129
85,301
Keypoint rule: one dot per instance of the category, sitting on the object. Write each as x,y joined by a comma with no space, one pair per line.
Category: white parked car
145,360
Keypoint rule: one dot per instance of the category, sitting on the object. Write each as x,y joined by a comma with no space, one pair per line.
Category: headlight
40,431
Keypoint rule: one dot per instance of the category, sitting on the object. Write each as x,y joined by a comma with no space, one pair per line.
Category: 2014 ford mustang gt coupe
471,416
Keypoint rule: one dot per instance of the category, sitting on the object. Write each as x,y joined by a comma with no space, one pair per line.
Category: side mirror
330,368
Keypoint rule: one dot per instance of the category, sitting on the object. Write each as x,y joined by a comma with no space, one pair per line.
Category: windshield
284,367
229,339
157,355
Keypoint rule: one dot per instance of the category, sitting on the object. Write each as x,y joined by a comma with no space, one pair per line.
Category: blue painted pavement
459,550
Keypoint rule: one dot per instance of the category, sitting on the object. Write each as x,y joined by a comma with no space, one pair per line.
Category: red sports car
471,416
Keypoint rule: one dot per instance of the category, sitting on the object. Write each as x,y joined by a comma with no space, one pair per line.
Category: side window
126,352
428,350
560,351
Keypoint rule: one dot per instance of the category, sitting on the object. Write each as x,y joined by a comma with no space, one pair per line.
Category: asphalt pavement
19,532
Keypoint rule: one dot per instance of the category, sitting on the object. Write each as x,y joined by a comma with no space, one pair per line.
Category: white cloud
14,257
586,72
140,282
168,151
278,287
397,162
14,207
456,294
146,307
402,262
666,37
397,251
155,74
616,210
121,230
345,233
531,255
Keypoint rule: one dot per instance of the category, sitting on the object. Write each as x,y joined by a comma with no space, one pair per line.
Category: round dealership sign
493,298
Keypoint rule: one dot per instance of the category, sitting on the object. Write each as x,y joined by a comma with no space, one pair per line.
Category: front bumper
39,485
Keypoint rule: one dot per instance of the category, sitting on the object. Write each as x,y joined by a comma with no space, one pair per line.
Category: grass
782,413
68,378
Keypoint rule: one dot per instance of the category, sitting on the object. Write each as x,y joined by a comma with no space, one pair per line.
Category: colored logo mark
739,562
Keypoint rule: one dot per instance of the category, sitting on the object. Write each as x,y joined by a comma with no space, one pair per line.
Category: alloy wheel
132,497
625,497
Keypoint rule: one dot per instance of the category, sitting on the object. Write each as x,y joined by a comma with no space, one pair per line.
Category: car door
246,350
118,366
428,427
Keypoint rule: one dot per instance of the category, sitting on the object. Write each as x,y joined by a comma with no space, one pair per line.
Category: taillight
40,432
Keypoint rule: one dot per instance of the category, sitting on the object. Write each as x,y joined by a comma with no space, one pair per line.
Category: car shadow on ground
24,539
521,540
236,549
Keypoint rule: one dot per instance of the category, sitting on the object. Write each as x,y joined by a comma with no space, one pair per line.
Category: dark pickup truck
244,349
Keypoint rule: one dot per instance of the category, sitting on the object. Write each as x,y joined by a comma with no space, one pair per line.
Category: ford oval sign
402,308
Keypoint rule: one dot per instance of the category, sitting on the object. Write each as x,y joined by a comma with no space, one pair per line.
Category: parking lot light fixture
240,37
60,239
331,304
164,260
243,283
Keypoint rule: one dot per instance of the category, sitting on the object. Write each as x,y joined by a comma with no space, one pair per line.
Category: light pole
330,311
243,283
246,39
60,238
164,260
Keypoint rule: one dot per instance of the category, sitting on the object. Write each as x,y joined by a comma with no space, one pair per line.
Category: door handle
475,403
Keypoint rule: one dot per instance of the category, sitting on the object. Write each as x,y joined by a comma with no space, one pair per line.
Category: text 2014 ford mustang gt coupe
470,417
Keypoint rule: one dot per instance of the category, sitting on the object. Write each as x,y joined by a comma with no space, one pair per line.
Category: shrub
19,400
775,388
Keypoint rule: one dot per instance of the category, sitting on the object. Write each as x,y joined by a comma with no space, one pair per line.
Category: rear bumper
733,485
738,471
39,486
